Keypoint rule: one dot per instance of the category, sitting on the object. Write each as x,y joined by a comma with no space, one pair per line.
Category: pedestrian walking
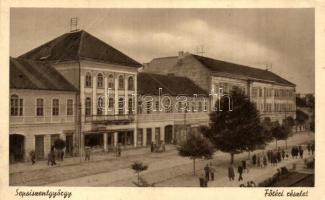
274,159
293,152
119,150
278,155
202,180
231,173
254,159
212,171
152,147
32,156
283,153
51,157
207,171
243,164
269,153
87,153
264,161
309,148
163,146
240,172
301,152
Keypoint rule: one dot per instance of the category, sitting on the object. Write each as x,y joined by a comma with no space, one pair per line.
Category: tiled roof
38,75
149,84
79,44
241,70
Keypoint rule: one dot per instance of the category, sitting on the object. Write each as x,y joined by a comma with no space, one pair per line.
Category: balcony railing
110,119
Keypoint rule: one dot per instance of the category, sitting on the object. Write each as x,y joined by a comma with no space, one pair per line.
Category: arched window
88,107
88,80
120,106
111,81
100,106
16,106
111,103
100,80
120,82
130,83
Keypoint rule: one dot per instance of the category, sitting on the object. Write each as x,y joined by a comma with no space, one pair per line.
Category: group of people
208,175
297,151
240,169
311,148
160,147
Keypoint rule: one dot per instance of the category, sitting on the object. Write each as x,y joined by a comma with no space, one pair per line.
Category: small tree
138,167
301,118
59,144
279,133
196,147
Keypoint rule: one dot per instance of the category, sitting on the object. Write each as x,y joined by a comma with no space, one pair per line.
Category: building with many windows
106,109
79,88
273,96
42,109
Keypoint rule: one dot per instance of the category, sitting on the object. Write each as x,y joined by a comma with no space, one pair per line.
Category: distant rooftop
164,65
149,84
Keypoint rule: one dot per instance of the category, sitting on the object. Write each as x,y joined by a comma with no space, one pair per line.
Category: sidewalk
95,157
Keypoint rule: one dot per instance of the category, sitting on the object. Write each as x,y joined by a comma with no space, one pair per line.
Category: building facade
42,109
273,96
84,91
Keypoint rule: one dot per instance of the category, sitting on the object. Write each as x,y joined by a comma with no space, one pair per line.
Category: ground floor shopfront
22,143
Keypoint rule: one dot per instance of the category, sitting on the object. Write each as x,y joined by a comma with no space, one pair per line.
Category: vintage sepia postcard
144,100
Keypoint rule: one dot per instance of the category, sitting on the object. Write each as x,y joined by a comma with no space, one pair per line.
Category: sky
281,38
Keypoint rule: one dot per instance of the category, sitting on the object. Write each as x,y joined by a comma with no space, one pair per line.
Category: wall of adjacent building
30,125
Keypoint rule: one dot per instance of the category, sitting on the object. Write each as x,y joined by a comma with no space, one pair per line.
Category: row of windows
268,92
100,81
101,106
278,107
17,106
190,107
227,88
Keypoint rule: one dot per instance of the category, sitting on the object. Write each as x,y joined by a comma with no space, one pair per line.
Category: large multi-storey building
273,96
104,84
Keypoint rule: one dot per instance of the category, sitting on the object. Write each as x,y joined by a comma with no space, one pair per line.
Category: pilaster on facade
105,96
116,102
94,101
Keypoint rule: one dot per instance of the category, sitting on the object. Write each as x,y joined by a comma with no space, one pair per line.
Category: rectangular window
139,108
157,106
39,107
260,92
69,107
148,107
21,106
55,107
